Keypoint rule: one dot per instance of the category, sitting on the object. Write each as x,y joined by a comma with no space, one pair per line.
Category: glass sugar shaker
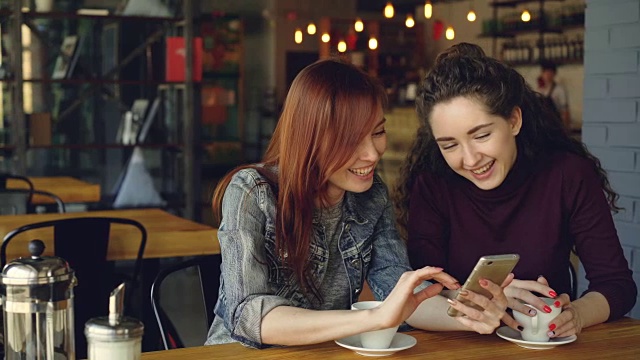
114,336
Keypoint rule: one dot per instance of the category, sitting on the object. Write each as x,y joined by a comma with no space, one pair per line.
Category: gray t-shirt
334,287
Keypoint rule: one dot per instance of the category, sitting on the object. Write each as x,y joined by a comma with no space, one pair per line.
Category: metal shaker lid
102,329
36,269
114,327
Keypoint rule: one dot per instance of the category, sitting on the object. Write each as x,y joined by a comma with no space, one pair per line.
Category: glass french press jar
37,304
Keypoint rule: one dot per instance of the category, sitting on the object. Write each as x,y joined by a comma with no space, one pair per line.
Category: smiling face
357,174
479,146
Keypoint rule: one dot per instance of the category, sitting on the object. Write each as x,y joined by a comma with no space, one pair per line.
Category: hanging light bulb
325,38
526,16
373,43
388,10
471,16
311,28
450,33
428,10
342,46
409,22
359,25
297,36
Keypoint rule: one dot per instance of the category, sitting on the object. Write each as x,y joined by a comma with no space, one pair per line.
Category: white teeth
363,171
483,169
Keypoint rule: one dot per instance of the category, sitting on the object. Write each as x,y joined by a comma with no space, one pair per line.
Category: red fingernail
557,304
547,309
552,327
484,282
552,294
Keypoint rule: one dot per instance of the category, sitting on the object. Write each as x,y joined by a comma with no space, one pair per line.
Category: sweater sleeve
427,226
592,229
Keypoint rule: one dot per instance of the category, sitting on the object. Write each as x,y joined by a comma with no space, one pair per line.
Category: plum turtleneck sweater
538,212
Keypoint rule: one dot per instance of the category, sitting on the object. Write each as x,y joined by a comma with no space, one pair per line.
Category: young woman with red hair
303,230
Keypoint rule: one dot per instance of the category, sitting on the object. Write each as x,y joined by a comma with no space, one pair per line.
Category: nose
367,151
470,157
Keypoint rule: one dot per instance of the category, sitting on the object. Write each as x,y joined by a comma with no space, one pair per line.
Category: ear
515,120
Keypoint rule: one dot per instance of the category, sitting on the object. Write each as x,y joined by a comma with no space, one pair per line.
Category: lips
362,171
483,169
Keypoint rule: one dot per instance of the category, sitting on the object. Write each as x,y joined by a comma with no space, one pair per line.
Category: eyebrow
471,131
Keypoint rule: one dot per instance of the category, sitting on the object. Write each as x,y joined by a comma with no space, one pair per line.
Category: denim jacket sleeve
244,270
389,254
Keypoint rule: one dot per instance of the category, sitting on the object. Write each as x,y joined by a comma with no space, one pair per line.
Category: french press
37,299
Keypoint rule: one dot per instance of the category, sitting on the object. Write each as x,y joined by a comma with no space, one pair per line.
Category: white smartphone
494,268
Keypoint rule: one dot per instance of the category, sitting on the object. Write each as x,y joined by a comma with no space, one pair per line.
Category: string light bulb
359,25
342,46
409,22
388,10
471,16
311,28
373,43
526,16
450,34
428,9
297,36
325,38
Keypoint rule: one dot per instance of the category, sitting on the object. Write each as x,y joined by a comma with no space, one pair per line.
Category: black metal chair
208,268
19,201
16,201
574,282
4,177
83,243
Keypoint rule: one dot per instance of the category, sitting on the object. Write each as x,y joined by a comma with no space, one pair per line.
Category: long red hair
329,109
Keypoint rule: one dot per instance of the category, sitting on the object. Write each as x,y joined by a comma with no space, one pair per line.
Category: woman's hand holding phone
482,301
481,313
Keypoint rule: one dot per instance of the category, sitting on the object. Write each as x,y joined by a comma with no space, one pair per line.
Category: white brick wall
612,112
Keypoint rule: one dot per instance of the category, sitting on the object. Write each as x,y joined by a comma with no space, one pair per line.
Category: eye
482,136
448,146
379,133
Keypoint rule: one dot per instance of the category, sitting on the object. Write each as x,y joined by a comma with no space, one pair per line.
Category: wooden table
167,235
70,190
618,340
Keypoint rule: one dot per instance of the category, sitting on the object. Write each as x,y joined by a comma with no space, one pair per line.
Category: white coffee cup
536,328
378,339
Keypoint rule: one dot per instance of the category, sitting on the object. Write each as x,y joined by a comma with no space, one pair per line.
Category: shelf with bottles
221,93
569,15
561,50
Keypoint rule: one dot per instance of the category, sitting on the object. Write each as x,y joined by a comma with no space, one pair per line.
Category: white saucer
400,342
509,334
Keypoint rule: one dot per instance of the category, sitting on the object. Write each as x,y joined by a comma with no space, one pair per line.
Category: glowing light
410,22
297,36
359,25
342,46
311,29
450,33
526,16
388,10
373,43
325,38
428,10
471,16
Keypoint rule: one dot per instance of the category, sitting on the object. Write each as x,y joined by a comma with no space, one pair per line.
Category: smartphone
494,268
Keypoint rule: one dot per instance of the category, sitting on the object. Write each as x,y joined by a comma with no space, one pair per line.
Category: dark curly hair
465,70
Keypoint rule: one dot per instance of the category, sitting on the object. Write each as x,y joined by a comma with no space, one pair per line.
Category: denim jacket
254,281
